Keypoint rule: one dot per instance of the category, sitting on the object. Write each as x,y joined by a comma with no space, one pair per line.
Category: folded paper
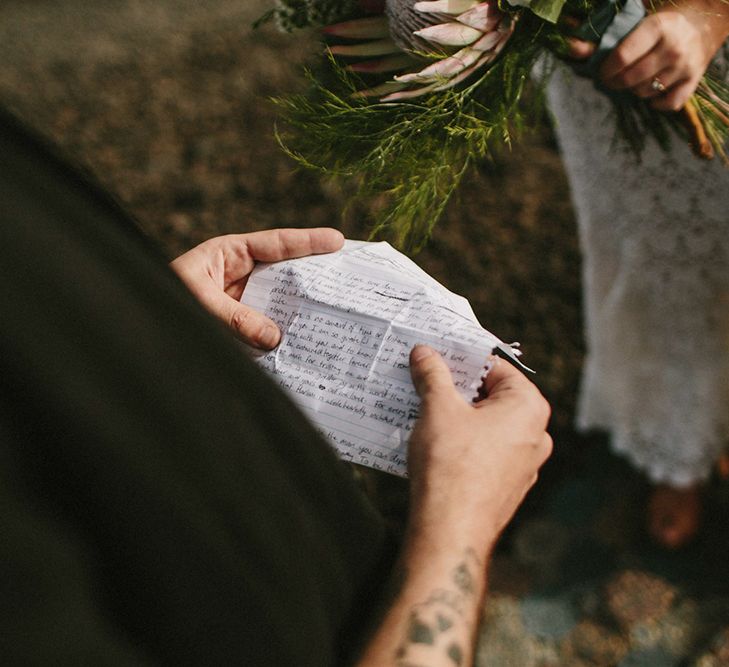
349,320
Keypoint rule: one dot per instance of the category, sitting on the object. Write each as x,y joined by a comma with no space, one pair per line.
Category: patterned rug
578,583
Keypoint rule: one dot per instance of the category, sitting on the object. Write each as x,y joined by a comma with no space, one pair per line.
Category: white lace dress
655,242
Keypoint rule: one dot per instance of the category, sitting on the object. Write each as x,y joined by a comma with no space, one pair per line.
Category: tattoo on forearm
436,627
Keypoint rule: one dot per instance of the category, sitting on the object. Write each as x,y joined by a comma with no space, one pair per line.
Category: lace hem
655,241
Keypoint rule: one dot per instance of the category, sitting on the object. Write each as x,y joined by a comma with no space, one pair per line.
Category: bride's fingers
676,97
634,76
654,85
579,49
636,46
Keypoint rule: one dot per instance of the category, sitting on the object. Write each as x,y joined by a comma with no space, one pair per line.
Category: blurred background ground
168,103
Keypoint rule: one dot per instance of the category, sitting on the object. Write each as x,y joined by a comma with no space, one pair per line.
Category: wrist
710,17
442,527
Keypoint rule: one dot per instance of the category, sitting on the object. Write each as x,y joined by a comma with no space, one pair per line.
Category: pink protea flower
458,37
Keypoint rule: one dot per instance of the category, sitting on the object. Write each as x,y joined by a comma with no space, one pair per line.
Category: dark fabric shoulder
22,144
197,516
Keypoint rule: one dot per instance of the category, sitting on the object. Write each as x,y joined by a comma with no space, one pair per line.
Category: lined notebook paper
349,320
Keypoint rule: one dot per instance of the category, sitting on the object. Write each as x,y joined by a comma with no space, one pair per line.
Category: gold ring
657,85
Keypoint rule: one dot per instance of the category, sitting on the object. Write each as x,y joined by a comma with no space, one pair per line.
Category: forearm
470,466
432,619
711,17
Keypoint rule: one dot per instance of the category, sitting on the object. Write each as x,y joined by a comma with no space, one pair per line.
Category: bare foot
722,465
674,515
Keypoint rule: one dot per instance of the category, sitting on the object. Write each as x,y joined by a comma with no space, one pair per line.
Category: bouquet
414,91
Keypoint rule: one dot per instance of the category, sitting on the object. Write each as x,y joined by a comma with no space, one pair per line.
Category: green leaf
549,10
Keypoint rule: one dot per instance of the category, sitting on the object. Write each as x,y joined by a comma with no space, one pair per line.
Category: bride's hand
666,55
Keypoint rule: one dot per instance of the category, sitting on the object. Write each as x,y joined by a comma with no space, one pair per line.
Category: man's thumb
254,328
430,374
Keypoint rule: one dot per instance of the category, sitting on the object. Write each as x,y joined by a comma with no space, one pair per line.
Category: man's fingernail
269,336
420,352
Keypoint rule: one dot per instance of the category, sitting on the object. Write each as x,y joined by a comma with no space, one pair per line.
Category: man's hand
217,271
666,55
472,465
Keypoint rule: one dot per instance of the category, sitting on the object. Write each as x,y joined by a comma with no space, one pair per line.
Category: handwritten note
349,321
